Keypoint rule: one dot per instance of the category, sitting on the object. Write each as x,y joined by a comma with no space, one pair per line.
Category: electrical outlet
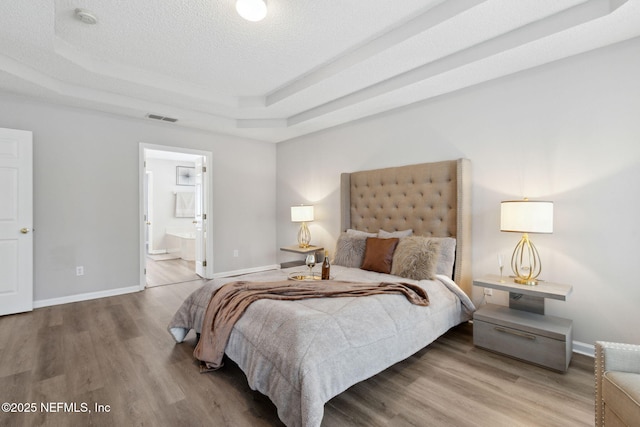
236,253
79,270
488,292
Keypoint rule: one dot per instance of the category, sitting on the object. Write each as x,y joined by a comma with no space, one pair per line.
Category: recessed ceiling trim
104,100
401,32
252,102
454,45
546,27
261,123
140,77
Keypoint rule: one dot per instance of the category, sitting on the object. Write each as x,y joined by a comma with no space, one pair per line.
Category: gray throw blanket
230,301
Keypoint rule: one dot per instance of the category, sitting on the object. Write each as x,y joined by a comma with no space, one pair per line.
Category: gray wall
86,202
567,132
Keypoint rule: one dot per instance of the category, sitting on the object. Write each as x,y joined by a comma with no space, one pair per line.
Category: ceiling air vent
163,118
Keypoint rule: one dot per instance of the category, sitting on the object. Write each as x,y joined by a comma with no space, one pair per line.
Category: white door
16,221
200,219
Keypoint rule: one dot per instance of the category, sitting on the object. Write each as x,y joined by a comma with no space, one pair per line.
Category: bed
302,353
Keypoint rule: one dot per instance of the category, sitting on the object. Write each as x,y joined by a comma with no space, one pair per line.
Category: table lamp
302,214
525,216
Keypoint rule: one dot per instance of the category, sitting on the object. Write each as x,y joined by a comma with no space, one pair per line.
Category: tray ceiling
307,66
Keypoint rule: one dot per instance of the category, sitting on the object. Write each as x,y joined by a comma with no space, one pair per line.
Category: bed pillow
358,233
349,250
378,254
447,256
416,258
399,234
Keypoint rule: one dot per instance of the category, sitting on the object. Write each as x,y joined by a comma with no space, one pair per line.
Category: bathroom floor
167,272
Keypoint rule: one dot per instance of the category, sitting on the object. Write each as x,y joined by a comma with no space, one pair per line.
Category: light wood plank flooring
116,351
170,271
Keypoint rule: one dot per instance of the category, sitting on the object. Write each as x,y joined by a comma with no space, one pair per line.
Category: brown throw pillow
378,254
416,258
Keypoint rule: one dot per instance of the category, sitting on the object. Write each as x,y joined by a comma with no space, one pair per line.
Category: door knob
24,230
148,223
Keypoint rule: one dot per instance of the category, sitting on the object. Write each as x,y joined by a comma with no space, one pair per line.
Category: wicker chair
617,371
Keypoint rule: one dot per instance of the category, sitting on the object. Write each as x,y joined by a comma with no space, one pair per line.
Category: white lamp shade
252,10
526,216
301,213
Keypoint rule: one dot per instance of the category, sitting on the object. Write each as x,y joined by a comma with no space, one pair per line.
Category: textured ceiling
307,66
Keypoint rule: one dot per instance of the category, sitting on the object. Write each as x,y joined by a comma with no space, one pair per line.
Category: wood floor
170,271
116,352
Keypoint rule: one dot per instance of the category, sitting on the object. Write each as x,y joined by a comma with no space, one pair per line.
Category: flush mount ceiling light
252,10
85,16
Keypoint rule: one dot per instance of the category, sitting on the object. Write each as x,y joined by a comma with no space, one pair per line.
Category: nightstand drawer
531,347
543,340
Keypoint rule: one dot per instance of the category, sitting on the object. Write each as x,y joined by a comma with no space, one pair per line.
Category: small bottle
326,267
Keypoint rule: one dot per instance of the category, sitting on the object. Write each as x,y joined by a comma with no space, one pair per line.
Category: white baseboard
84,297
583,348
131,289
246,271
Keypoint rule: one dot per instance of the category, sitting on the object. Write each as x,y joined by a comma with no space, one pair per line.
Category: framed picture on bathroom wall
185,175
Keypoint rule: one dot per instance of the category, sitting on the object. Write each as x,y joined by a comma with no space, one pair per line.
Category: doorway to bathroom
175,201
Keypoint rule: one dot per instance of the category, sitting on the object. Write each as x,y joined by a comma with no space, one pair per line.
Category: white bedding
302,353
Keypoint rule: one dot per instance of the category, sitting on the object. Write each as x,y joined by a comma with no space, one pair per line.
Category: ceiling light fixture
252,10
85,16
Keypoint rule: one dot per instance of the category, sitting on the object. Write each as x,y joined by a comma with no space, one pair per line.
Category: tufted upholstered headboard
432,199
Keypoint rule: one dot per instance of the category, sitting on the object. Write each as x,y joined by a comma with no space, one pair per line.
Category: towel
185,204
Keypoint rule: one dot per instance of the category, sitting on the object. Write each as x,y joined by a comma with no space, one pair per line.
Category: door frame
208,189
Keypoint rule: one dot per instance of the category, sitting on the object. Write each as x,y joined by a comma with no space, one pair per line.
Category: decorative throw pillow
349,250
416,258
447,256
378,254
399,234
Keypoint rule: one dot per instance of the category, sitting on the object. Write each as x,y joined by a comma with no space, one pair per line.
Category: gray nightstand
522,330
319,251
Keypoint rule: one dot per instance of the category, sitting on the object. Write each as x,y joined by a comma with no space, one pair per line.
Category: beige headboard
432,199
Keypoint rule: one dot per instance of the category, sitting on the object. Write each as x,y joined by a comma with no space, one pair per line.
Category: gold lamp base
525,262
525,281
304,236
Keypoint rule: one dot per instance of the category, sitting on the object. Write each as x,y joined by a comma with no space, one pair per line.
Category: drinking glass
311,262
501,265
